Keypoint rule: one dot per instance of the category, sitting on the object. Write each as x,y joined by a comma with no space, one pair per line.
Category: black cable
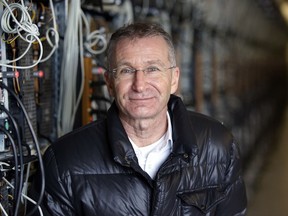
17,192
41,165
28,149
20,183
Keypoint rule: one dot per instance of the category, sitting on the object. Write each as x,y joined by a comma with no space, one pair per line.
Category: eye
127,70
152,69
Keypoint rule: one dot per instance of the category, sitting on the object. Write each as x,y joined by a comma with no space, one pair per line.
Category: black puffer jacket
94,171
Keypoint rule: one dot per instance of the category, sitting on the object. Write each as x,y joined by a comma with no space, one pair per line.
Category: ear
175,80
109,83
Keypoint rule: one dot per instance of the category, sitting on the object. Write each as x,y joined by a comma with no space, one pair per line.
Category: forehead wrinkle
158,61
149,57
146,63
125,63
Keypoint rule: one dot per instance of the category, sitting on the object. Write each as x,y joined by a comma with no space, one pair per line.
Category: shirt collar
164,142
169,132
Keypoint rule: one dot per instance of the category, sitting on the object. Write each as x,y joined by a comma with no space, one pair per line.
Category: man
150,156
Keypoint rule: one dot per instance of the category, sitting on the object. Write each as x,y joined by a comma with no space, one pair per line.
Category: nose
139,81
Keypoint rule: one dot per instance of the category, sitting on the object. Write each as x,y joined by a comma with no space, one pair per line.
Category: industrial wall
231,53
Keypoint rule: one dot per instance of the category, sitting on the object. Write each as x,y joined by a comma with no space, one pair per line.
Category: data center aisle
271,195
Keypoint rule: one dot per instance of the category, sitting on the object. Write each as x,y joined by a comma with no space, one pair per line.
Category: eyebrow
149,62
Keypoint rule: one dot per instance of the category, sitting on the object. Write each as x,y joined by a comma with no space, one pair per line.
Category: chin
143,113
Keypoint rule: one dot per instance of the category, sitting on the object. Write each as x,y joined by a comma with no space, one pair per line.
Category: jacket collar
118,139
184,139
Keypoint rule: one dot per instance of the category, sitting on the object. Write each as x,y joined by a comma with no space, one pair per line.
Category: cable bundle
69,102
70,91
18,155
24,28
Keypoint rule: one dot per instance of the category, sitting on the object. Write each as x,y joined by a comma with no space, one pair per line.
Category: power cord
37,146
18,182
26,197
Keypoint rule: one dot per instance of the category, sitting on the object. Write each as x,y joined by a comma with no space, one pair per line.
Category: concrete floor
271,195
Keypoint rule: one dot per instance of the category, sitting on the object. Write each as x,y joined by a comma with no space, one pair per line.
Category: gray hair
135,31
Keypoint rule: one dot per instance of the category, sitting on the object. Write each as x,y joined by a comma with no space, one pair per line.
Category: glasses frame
114,71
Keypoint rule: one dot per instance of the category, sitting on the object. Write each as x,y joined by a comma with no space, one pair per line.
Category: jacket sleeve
56,200
235,202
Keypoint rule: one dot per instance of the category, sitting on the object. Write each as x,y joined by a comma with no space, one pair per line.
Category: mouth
140,98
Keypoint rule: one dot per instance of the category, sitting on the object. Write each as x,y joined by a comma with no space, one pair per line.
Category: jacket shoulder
217,148
209,126
79,146
205,119
216,143
204,122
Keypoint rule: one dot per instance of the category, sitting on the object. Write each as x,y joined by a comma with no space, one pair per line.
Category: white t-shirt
151,157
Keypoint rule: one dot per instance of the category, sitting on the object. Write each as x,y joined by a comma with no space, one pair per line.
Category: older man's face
143,79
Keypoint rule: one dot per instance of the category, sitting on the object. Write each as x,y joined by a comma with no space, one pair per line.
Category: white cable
25,187
68,101
68,70
28,66
31,29
94,38
86,22
127,10
3,163
8,165
124,13
145,8
26,197
54,32
82,83
54,47
3,210
25,24
3,170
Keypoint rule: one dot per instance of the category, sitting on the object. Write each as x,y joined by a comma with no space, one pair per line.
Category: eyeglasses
124,72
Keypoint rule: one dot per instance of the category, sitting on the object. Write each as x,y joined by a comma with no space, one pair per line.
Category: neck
144,132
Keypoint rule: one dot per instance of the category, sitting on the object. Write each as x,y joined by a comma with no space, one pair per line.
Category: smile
140,98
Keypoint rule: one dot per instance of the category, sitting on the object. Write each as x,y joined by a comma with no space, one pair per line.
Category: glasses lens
149,72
